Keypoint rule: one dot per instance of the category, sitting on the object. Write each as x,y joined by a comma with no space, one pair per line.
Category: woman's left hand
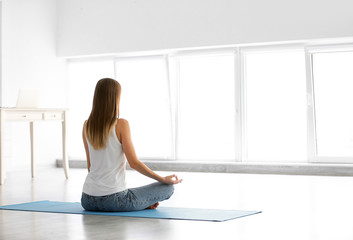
172,179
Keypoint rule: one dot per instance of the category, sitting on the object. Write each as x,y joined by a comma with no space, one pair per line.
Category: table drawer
53,116
23,116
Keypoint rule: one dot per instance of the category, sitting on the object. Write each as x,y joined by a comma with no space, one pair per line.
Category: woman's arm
134,162
86,146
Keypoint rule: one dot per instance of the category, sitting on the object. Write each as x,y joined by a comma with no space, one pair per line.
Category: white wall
29,61
112,26
29,51
0,51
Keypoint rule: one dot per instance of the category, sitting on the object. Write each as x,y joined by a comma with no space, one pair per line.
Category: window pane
207,108
145,104
83,76
333,86
276,128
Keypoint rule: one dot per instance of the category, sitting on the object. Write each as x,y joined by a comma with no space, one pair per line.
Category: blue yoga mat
218,215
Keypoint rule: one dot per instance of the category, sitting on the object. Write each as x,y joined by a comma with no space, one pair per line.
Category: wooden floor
294,207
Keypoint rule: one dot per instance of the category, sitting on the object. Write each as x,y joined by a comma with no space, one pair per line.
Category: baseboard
319,169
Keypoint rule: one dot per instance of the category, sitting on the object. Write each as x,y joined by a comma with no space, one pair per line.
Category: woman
108,144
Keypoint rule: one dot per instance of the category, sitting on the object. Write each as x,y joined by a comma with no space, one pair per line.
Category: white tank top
107,172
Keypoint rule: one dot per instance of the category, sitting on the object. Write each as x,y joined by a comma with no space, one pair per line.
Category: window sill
319,169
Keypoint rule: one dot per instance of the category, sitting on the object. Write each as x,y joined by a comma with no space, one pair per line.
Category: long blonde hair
105,111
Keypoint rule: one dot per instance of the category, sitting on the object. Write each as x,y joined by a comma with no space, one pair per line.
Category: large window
206,126
245,104
333,88
275,105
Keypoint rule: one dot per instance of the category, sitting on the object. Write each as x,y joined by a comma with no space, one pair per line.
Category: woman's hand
172,179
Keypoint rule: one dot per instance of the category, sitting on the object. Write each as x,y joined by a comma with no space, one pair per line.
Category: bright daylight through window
145,103
275,93
333,86
184,106
206,108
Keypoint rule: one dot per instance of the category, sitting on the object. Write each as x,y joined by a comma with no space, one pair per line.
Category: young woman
108,144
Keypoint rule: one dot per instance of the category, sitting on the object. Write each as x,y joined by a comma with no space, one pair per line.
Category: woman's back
107,141
107,170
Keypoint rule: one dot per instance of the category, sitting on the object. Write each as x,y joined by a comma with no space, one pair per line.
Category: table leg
2,170
65,160
32,146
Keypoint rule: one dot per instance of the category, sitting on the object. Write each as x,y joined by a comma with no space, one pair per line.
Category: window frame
230,51
171,59
243,51
312,131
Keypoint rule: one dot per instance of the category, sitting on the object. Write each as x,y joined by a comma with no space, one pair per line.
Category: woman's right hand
171,179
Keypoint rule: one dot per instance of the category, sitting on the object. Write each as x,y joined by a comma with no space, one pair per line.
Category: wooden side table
32,115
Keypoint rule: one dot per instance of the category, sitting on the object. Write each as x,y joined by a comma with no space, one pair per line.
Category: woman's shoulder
122,125
121,128
122,122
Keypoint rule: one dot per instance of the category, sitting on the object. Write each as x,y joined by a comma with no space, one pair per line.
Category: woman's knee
165,190
170,190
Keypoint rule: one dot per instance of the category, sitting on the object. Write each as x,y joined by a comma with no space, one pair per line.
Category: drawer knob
24,116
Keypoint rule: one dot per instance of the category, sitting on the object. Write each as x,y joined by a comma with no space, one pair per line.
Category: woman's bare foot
154,206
